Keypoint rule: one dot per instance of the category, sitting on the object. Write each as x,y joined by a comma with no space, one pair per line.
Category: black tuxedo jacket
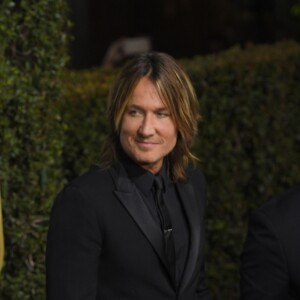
271,258
103,243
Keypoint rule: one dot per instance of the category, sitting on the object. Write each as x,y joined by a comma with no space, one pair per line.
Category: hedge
32,56
83,111
248,143
249,139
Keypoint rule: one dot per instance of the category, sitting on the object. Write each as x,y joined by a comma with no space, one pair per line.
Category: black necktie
166,224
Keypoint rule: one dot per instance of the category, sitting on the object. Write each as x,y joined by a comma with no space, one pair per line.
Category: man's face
148,132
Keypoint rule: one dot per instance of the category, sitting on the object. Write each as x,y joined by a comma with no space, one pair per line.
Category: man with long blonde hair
133,226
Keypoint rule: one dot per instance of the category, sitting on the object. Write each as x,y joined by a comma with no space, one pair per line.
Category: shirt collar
142,178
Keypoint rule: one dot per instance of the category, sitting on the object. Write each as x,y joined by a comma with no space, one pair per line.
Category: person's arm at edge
264,272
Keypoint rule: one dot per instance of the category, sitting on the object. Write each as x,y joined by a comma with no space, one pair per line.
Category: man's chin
149,164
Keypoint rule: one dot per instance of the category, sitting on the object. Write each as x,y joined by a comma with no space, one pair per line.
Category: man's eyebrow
138,105
163,108
134,106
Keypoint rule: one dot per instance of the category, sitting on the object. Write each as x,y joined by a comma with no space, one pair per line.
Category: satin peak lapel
136,207
189,202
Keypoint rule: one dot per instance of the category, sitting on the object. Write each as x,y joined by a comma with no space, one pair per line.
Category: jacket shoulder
95,179
281,216
287,203
195,175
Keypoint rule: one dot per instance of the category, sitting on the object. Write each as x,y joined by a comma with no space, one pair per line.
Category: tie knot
158,182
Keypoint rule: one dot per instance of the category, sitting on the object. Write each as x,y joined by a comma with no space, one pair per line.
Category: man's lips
147,144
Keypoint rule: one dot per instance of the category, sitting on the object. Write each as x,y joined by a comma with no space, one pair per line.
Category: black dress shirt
143,180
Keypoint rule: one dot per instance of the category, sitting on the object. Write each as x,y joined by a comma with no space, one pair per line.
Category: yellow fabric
1,236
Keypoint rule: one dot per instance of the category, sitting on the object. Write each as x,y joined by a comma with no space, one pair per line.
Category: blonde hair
177,93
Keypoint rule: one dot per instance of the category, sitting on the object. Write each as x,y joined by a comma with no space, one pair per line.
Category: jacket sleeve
73,248
203,292
264,272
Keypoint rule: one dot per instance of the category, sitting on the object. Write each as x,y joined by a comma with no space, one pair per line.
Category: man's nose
147,127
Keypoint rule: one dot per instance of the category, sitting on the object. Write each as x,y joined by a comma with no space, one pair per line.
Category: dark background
182,28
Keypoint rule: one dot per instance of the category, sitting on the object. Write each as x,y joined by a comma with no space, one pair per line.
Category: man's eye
163,114
134,112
